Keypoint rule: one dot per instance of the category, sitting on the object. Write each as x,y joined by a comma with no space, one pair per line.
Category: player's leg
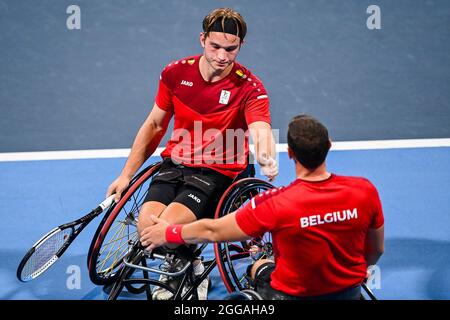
162,191
181,211
260,273
160,204
195,200
178,213
149,208
255,268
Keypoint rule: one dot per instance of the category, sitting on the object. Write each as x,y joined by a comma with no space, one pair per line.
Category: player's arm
214,230
145,143
265,153
147,140
374,246
204,230
261,133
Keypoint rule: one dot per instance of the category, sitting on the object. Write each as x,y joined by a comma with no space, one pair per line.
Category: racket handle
107,202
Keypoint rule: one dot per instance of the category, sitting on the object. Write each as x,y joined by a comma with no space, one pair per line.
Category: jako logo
194,197
187,83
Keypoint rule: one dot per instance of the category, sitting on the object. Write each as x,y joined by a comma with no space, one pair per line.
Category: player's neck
211,75
319,174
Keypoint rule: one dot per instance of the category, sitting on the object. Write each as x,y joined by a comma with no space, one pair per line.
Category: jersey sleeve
376,209
165,90
258,104
258,216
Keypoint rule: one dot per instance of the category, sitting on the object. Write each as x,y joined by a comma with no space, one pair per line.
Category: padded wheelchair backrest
249,172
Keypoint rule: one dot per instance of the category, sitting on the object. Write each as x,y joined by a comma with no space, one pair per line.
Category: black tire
244,295
118,228
234,257
117,287
135,285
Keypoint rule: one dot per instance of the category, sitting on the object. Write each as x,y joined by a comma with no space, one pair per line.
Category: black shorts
263,287
199,189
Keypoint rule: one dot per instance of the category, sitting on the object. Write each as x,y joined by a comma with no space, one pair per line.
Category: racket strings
45,254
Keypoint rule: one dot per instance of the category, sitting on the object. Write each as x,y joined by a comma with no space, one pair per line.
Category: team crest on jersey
224,96
241,74
191,61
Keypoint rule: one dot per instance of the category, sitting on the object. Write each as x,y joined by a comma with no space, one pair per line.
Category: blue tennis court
38,195
91,88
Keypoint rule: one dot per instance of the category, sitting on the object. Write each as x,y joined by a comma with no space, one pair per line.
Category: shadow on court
51,285
417,255
402,256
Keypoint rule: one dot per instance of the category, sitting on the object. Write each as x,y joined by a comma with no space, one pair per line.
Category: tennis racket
47,250
368,291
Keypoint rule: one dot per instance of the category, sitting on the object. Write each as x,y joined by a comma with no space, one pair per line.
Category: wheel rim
118,231
238,257
234,257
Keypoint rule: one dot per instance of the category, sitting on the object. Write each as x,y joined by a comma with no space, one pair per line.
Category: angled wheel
122,275
117,231
244,295
234,257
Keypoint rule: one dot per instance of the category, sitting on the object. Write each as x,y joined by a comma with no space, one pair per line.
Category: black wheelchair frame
117,274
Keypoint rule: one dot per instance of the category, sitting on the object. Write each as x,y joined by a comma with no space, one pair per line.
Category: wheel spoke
113,239
117,234
237,256
108,255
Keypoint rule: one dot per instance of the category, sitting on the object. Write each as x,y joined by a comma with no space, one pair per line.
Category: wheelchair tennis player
215,101
327,229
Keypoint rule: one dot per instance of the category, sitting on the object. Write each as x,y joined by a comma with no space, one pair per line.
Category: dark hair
225,20
309,141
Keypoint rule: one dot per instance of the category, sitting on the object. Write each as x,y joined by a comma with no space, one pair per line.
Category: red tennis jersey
318,232
211,118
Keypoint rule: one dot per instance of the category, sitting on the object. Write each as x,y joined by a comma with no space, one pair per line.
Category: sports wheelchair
115,252
250,294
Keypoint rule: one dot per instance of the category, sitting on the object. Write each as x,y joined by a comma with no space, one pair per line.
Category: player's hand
269,167
117,187
155,235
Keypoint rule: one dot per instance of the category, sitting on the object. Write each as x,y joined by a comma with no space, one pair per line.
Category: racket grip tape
106,203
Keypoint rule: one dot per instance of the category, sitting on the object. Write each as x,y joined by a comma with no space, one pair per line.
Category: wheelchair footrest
158,271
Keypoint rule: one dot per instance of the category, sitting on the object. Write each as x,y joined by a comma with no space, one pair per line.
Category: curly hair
224,19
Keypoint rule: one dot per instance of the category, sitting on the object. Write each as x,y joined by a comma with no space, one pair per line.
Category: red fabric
164,97
202,115
173,234
316,253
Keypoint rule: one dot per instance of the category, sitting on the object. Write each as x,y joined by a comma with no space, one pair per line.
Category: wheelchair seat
115,252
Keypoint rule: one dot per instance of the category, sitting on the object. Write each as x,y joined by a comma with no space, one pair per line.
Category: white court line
281,147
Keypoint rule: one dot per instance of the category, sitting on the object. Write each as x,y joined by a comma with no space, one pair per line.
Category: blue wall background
92,88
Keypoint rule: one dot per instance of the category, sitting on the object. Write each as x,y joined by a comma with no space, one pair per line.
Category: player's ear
202,39
290,153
